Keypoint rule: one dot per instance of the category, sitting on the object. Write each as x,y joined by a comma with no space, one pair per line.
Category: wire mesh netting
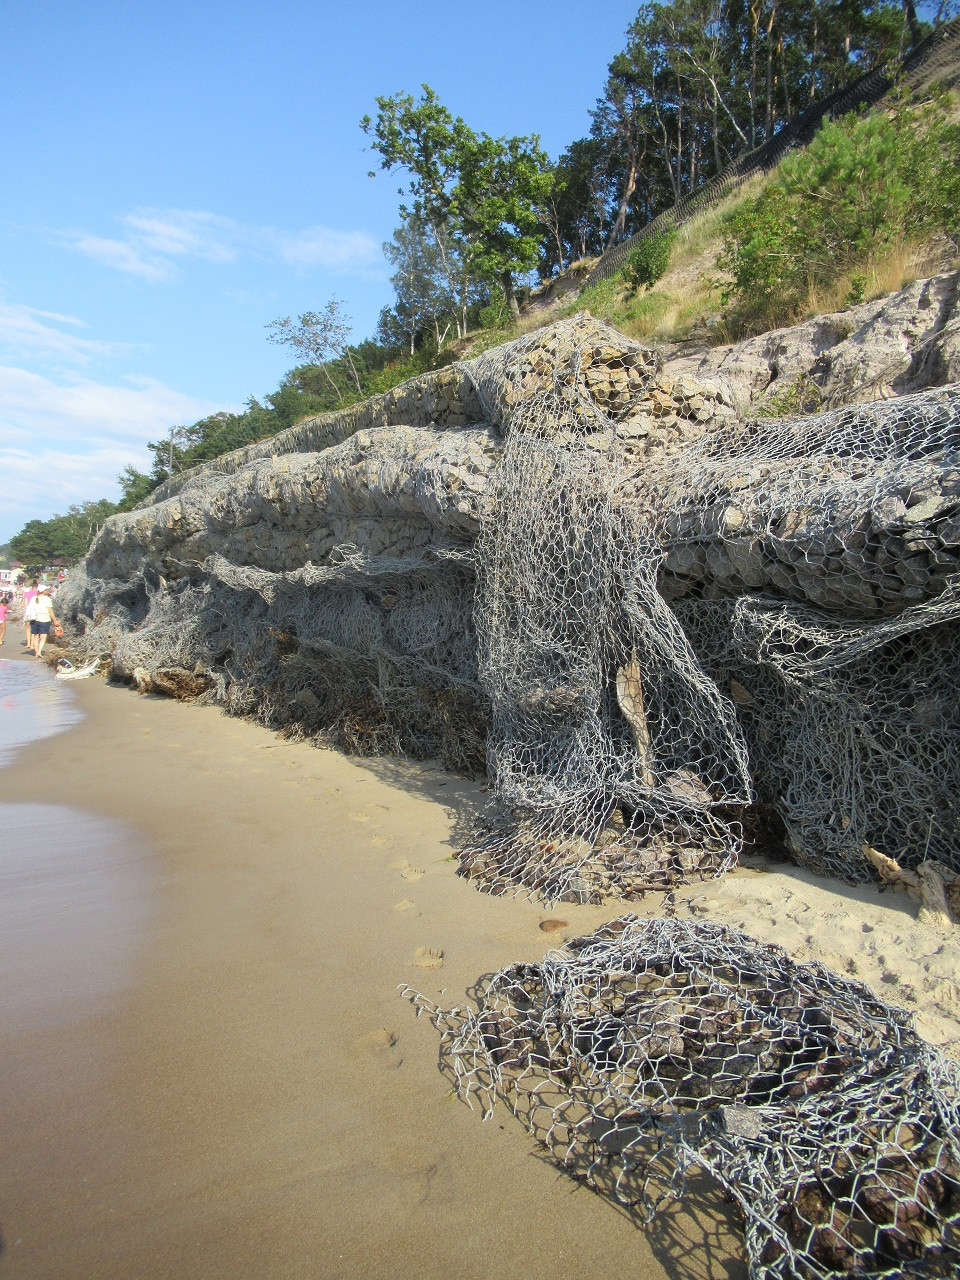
655,1048
638,613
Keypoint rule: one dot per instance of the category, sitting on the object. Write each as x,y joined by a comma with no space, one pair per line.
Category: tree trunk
754,29
554,224
768,127
680,136
628,189
353,370
787,106
336,389
511,296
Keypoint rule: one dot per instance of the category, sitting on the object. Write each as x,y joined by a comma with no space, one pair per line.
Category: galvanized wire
654,1048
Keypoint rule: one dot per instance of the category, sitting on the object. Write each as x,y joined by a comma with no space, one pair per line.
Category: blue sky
177,175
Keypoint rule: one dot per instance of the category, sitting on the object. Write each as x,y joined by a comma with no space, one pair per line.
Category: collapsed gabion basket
655,1048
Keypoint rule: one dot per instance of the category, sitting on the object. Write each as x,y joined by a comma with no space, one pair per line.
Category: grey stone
904,342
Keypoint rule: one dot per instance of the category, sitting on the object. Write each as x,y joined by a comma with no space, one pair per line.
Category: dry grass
886,273
687,301
683,300
687,298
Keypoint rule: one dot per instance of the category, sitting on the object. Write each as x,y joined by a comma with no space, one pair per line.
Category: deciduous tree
319,336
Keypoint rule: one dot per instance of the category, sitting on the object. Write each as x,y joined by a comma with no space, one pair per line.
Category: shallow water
74,901
33,705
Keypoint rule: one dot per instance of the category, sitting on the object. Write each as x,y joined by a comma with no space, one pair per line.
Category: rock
928,509
902,343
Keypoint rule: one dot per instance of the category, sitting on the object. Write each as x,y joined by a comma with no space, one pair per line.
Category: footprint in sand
381,1045
428,957
408,872
405,905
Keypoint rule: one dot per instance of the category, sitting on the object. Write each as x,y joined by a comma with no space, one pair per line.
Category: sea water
33,705
73,887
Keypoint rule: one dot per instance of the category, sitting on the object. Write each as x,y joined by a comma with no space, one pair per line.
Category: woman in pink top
4,602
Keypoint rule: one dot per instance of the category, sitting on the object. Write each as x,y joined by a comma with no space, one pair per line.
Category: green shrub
858,289
865,183
648,261
495,314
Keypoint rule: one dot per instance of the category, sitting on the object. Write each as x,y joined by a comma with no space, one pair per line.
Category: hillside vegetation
871,204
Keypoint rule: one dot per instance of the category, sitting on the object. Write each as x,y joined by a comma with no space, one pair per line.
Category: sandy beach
205,1067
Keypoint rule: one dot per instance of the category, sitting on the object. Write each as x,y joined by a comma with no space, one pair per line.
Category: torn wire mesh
653,1048
636,611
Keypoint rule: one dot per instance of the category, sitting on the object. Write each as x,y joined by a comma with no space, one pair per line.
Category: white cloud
23,333
123,255
179,233
66,441
35,485
321,247
157,240
81,409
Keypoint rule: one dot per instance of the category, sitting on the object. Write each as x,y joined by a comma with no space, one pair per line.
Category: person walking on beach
29,595
4,605
43,620
29,615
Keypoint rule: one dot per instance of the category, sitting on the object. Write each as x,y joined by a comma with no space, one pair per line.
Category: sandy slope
869,934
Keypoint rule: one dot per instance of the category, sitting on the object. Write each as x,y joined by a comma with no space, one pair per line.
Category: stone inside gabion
559,565
655,1047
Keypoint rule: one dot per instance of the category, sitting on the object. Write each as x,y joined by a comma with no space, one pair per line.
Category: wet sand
205,1067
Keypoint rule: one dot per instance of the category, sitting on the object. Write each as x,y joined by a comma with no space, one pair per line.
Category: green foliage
574,219
318,336
479,195
858,289
402,368
496,312
66,537
421,138
502,184
433,283
697,83
304,392
422,293
648,261
865,184
800,396
134,487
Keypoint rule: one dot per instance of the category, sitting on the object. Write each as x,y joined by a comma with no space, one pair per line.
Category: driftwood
933,885
630,699
935,910
171,682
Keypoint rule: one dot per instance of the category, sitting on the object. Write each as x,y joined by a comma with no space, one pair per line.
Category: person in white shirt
43,619
27,597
